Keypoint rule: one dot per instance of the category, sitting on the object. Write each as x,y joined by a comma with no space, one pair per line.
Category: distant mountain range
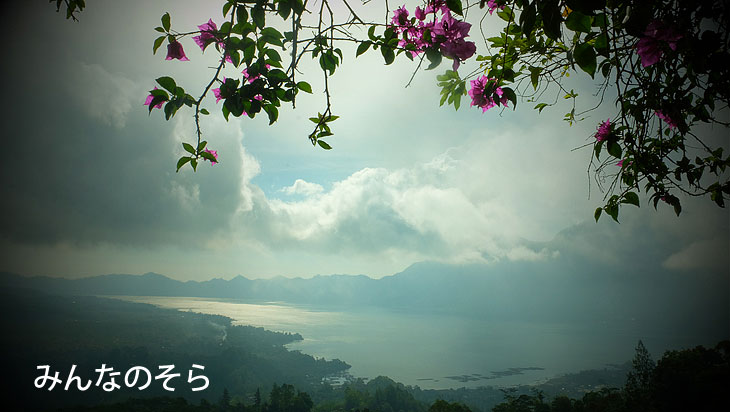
531,291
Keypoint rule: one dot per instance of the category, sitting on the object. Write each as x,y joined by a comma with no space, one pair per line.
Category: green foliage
661,99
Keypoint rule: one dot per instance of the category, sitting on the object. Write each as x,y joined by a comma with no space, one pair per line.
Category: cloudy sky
89,184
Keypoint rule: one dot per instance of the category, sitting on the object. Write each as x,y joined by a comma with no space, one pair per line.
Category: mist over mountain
545,290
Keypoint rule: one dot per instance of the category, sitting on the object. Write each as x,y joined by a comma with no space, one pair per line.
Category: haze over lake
443,351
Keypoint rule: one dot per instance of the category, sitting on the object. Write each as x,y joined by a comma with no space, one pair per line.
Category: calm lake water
440,351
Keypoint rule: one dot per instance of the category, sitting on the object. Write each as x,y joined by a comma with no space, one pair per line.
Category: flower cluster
483,91
446,35
650,46
604,129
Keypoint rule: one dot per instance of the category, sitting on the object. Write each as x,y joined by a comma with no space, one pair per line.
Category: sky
89,184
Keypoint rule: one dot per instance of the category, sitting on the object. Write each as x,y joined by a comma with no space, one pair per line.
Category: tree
225,401
693,379
665,63
443,406
638,380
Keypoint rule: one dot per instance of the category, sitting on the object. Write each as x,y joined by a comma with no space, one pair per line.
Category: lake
439,351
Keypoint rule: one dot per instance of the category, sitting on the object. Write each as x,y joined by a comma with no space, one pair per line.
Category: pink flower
492,5
604,129
251,79
620,163
459,50
214,153
650,46
482,93
149,99
217,92
454,46
175,51
667,120
434,5
400,16
420,14
208,32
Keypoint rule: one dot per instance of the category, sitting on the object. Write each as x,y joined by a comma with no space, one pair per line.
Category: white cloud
703,254
105,96
302,187
456,207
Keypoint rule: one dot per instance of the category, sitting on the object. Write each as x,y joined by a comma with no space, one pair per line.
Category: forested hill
61,331
543,290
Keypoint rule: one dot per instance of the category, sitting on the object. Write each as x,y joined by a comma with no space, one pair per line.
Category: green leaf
585,56
551,18
578,21
510,95
535,76
433,56
612,211
540,106
208,156
202,145
455,6
204,111
241,14
157,100
388,54
614,149
272,112
284,9
362,48
631,198
324,145
226,8
168,83
166,21
305,87
180,163
597,213
272,36
158,43
189,148
259,16
371,33
528,18
601,44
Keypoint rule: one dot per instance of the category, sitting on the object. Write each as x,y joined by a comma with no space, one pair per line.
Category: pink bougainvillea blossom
400,16
492,6
217,92
482,93
620,163
208,33
436,5
604,129
420,14
656,35
671,123
149,99
446,35
214,153
175,51
249,78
